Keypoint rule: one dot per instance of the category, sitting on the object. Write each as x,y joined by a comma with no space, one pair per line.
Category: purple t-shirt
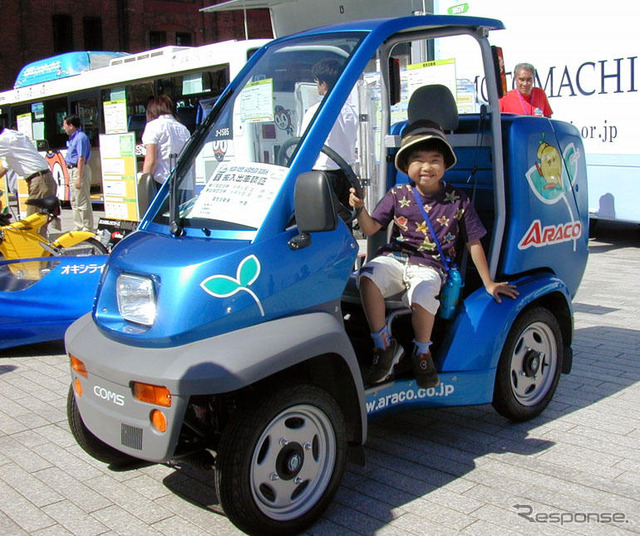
450,211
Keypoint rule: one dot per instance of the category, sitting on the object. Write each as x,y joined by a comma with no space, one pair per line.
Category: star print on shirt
401,222
451,197
443,220
404,202
427,245
422,227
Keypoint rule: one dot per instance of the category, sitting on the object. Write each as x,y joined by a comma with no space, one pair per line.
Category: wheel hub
290,461
531,363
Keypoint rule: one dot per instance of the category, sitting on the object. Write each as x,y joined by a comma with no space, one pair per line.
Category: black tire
529,366
90,443
90,246
280,460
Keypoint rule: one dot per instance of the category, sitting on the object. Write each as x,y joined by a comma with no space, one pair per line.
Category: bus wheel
90,443
281,460
529,366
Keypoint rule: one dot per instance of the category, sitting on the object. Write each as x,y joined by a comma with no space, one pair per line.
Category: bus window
55,111
89,113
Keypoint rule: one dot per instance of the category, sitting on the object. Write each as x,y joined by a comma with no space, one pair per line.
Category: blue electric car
228,324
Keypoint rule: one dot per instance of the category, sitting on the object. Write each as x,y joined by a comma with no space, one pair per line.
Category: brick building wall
44,28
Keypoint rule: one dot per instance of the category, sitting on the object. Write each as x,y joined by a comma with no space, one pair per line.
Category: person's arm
367,224
548,112
480,260
81,163
150,158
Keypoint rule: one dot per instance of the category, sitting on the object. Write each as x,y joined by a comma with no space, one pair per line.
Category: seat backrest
434,102
147,190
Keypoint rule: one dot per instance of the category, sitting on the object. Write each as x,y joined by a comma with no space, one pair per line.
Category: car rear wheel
530,366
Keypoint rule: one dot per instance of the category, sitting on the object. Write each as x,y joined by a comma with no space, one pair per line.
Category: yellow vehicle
22,240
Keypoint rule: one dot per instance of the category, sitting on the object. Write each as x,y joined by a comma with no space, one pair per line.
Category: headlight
136,299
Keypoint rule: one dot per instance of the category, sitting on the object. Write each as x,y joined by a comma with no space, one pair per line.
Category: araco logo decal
538,236
224,286
551,178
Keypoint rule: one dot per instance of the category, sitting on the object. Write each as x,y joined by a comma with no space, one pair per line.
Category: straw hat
424,135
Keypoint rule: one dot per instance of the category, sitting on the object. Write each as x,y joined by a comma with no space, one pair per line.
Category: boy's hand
354,200
506,289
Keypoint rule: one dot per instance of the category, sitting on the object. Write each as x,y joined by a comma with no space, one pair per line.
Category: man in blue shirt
78,154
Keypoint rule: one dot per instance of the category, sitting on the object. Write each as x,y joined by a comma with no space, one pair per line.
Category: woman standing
163,137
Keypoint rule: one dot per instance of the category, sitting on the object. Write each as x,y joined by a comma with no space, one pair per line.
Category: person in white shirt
24,159
343,135
163,137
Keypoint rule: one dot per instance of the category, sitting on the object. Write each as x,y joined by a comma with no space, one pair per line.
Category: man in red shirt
525,99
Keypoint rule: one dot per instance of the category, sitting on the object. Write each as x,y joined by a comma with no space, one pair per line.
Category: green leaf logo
223,286
249,270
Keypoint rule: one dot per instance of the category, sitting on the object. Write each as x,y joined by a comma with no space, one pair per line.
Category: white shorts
417,283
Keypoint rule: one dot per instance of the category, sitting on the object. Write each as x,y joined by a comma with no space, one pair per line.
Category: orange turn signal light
77,386
158,420
78,366
152,394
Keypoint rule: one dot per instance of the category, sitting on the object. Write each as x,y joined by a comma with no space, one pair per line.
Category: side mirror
499,70
314,207
395,89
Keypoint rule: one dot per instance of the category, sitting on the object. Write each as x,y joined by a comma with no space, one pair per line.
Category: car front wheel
281,460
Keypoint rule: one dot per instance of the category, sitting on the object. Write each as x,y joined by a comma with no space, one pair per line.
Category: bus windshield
230,180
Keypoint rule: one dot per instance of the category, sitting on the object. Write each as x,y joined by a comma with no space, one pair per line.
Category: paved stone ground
462,471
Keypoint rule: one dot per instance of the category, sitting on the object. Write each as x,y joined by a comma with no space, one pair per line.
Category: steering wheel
346,212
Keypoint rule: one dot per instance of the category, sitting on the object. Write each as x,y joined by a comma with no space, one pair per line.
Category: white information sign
24,124
115,116
239,193
432,72
256,101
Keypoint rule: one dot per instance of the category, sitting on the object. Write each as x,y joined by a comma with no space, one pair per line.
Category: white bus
81,82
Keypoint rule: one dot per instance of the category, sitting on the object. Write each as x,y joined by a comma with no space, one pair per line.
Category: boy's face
426,168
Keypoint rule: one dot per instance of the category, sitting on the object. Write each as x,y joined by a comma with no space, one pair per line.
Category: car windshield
227,183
